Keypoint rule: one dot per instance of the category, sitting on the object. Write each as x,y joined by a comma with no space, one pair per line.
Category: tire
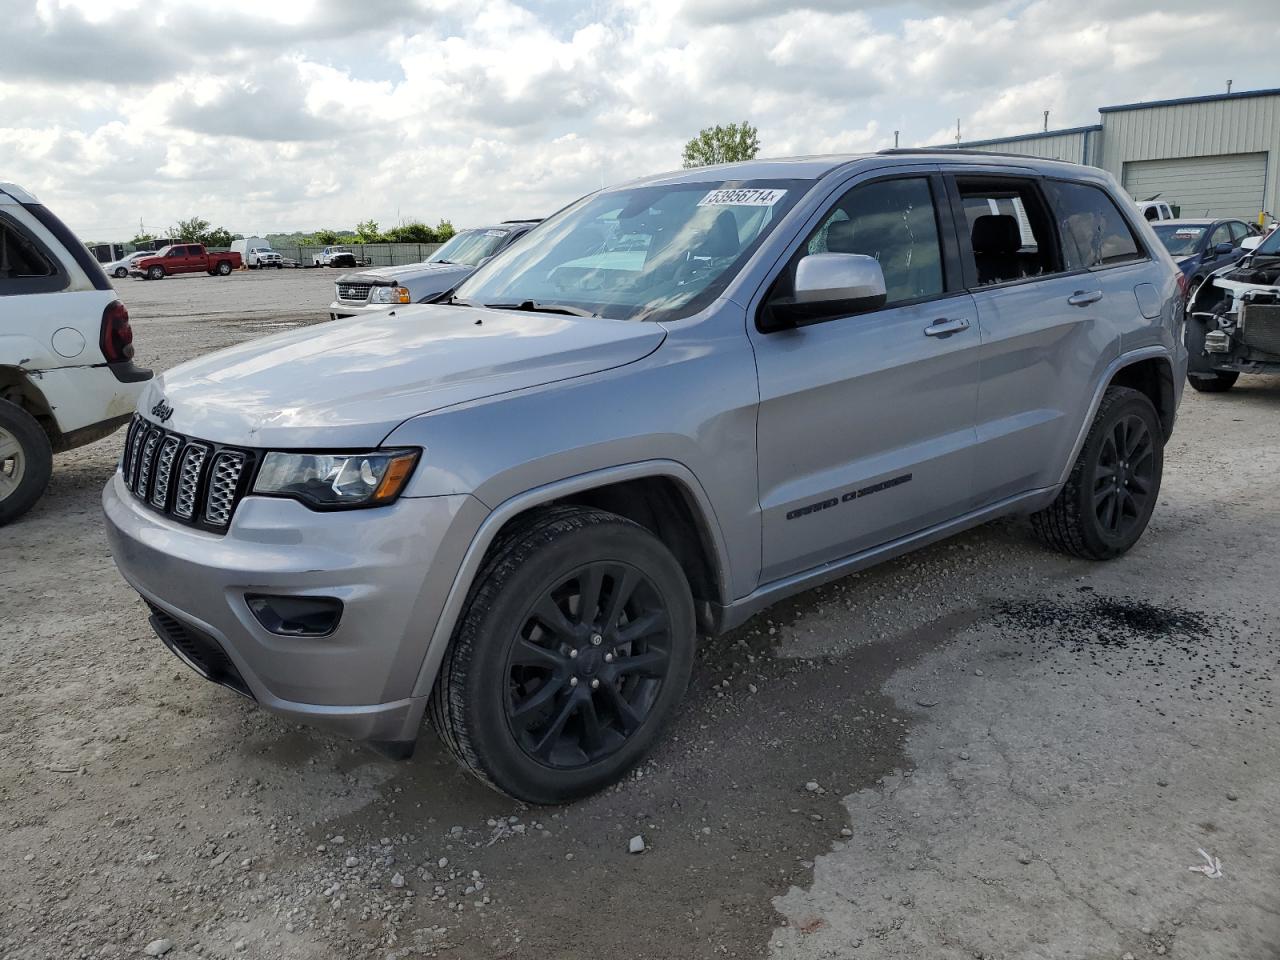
155,273
1218,381
120,273
511,702
224,268
1110,494
26,461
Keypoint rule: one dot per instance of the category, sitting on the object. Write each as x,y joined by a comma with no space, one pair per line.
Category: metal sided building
1215,156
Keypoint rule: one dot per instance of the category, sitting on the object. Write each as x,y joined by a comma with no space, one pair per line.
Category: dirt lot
982,750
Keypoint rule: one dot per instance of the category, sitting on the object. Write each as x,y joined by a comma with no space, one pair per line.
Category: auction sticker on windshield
742,198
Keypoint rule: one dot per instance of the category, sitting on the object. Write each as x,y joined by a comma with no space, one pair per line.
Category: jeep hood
349,383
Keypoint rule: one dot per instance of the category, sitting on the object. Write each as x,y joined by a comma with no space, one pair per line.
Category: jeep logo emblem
162,411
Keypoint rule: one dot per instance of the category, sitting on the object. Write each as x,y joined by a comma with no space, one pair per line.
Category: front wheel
26,461
120,273
572,654
1217,381
1111,491
155,273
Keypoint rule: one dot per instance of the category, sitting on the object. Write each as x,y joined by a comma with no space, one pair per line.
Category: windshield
653,252
1179,240
469,247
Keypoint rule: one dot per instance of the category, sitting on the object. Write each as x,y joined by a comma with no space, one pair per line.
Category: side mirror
1219,250
1250,243
828,285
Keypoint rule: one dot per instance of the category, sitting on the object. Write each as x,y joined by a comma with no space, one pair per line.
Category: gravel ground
980,750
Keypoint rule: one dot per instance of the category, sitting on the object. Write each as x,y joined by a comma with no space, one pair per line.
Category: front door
866,424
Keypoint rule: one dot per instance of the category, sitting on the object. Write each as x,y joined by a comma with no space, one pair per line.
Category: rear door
1052,313
865,429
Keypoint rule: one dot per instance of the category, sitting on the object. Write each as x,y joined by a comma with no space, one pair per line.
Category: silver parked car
677,402
369,291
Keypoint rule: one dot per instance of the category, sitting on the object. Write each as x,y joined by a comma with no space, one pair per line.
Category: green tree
192,229
142,239
367,231
726,143
218,237
412,232
444,231
326,238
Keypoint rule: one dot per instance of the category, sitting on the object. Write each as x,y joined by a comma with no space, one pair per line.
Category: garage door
1230,185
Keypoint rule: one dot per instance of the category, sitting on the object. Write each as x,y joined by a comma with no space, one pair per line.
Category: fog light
296,616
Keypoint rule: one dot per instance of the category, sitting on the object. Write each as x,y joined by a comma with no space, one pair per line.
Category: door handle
1082,298
945,327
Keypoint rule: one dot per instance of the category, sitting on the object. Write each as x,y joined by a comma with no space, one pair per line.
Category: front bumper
341,308
391,567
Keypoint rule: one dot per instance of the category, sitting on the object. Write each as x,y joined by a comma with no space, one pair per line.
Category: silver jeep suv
674,403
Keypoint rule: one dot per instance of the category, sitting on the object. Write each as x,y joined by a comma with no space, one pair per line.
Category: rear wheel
26,461
1217,381
572,654
1111,491
224,268
155,273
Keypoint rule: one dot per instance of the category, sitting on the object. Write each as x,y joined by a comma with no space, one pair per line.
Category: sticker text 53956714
742,197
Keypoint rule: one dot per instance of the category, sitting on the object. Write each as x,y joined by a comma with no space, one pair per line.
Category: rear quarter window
1093,230
26,265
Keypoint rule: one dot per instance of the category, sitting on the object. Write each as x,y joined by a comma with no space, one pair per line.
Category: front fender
513,507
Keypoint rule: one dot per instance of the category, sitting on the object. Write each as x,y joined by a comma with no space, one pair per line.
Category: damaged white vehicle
1233,319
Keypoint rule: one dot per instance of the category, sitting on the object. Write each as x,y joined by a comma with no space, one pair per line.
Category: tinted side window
1009,231
1221,235
25,265
894,222
1094,232
1238,231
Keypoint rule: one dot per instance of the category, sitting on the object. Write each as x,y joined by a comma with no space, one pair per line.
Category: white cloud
323,112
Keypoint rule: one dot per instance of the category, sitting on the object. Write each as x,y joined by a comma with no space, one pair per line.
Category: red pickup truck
184,258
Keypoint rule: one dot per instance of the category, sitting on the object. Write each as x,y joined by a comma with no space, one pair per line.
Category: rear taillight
1184,286
117,336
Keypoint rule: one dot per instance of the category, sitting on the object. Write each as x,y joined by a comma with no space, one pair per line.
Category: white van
251,250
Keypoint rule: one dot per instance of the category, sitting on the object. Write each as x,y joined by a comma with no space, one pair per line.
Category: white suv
67,375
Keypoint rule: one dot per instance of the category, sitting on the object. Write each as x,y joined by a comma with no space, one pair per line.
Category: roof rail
965,151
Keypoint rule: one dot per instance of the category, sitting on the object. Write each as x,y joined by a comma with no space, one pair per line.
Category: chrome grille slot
224,480
164,471
144,465
135,446
184,503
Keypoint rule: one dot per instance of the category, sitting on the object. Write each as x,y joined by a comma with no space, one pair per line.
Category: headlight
389,295
329,481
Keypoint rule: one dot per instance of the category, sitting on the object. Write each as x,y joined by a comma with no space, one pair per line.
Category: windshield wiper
532,306
442,261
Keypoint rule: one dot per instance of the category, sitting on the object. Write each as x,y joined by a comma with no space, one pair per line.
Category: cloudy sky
300,114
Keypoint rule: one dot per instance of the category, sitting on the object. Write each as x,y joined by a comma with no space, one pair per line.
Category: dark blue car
1203,245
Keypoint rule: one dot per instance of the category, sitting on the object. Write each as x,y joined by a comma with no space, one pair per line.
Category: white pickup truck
67,375
334,257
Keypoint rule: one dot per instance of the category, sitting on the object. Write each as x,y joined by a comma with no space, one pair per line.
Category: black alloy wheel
1124,477
571,656
1113,486
587,664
